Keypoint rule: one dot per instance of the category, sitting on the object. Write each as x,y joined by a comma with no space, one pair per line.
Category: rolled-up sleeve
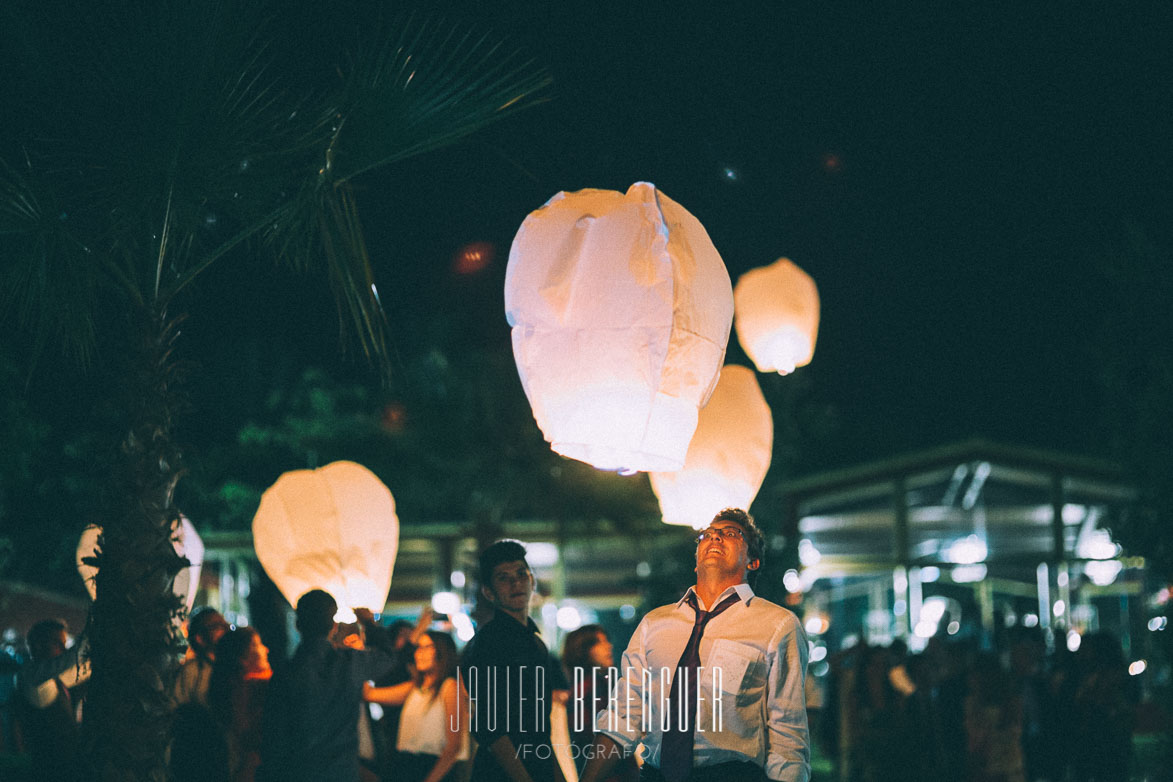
788,756
622,718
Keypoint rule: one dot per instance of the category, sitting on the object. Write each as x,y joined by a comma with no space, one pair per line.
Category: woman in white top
428,747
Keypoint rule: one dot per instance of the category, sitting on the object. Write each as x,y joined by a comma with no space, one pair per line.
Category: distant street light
621,309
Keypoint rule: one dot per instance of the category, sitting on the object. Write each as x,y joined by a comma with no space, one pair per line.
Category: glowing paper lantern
777,316
728,457
621,309
333,528
186,541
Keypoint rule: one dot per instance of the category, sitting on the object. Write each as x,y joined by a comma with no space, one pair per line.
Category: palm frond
46,272
416,86
179,136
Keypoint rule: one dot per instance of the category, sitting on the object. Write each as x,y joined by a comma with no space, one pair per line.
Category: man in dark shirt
509,676
310,729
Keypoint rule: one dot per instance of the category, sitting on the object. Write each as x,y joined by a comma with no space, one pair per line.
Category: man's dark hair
315,613
754,540
43,636
400,627
498,553
199,626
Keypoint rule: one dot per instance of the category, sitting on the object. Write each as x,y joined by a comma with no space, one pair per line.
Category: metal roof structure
1025,506
1015,529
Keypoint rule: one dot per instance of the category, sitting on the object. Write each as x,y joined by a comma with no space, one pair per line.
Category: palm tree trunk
133,636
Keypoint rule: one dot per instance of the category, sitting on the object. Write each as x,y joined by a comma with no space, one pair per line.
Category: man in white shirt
740,715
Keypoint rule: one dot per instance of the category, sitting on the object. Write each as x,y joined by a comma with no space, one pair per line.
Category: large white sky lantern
728,457
777,316
186,541
621,309
333,528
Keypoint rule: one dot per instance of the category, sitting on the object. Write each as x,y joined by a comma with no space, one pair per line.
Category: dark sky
950,176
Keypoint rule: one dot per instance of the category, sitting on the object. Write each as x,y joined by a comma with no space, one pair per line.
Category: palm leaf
47,274
184,138
418,86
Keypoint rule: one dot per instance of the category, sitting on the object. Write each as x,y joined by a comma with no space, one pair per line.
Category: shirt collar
508,621
744,592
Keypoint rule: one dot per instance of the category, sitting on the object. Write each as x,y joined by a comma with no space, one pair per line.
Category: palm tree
149,140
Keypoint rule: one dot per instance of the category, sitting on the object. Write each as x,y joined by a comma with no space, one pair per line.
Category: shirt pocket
742,667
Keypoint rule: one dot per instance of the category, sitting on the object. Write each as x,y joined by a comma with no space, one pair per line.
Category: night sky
951,177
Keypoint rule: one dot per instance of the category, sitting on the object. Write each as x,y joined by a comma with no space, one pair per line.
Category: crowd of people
714,688
1015,714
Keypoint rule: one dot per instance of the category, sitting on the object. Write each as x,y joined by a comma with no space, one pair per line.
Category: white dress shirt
761,652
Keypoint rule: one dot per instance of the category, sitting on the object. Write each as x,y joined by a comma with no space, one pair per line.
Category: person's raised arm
394,695
421,625
36,679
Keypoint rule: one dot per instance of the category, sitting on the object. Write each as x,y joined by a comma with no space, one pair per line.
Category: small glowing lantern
333,528
621,309
186,541
727,458
777,318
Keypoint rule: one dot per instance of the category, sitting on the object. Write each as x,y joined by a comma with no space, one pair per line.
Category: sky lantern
333,528
621,309
186,541
777,316
728,457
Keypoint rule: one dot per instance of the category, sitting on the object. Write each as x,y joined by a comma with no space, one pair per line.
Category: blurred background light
446,603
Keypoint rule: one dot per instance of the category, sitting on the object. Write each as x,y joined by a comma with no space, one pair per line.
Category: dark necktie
676,744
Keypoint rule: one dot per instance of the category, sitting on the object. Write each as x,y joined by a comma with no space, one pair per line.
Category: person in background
587,656
1040,742
205,626
10,663
397,640
1103,711
993,724
236,698
509,648
310,724
46,707
432,736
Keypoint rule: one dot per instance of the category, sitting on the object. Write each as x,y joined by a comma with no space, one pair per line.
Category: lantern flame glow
728,457
333,528
621,310
777,316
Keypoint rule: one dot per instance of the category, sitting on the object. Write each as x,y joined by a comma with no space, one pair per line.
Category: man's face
511,587
722,547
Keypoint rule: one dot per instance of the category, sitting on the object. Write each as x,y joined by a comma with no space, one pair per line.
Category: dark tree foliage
1135,348
159,139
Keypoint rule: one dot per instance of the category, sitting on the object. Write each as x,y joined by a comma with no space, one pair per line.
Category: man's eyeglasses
713,533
